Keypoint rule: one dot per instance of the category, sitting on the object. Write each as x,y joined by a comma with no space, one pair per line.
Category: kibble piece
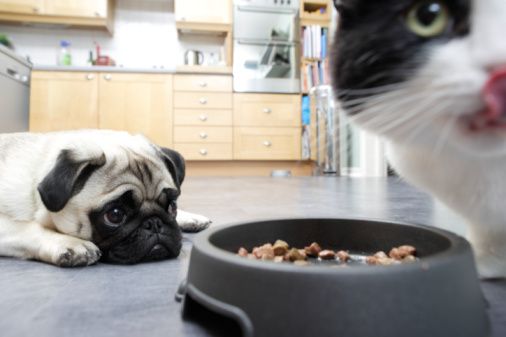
242,252
278,259
252,257
265,252
401,252
280,247
409,258
343,255
408,250
313,249
380,255
294,254
327,254
301,263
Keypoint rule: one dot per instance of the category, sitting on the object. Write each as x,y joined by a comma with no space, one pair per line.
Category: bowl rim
458,245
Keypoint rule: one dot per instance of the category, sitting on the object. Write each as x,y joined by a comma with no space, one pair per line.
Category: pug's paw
190,222
76,252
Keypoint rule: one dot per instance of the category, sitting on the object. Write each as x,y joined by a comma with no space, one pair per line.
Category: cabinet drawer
202,83
267,143
192,151
267,110
203,135
202,117
202,100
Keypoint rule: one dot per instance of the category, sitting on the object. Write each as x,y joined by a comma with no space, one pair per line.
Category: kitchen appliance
266,46
14,91
438,295
193,57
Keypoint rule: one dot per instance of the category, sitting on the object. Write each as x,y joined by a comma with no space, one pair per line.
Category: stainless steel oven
266,46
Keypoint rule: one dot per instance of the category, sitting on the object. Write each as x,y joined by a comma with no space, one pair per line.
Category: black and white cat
429,76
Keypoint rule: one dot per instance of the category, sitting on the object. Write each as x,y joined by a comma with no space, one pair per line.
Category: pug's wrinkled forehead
144,174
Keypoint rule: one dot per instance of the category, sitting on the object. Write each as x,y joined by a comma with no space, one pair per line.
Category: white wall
144,36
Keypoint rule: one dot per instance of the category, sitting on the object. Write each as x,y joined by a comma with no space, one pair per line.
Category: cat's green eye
428,18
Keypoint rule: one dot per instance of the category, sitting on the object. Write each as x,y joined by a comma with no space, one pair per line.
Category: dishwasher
14,92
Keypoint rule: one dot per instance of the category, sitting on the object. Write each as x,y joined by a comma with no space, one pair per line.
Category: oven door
264,23
266,66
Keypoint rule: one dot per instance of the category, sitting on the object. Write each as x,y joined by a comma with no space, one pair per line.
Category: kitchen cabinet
78,13
267,143
22,6
137,103
204,11
77,8
267,127
63,101
203,117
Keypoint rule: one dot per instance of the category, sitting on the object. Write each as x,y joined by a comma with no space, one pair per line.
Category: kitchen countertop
109,69
109,300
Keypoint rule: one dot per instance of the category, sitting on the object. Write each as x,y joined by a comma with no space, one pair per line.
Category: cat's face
429,73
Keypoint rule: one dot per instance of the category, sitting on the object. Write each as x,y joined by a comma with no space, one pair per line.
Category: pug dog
70,198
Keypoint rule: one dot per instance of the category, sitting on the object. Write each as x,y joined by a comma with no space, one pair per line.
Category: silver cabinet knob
203,152
203,100
97,14
202,84
203,135
267,143
36,9
89,77
267,110
24,78
108,77
203,118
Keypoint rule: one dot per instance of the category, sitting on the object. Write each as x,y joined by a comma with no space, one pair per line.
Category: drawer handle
89,77
203,152
203,135
108,77
203,100
203,118
203,84
97,14
267,110
267,143
36,9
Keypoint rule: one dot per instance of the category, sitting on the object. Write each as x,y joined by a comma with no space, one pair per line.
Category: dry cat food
281,251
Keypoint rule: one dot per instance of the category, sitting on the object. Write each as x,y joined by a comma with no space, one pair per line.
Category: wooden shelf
325,23
186,27
204,69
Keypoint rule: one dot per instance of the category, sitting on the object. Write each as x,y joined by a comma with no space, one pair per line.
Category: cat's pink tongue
494,95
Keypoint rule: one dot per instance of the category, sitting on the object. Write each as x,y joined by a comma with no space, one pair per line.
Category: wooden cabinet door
77,8
22,6
63,101
137,103
205,11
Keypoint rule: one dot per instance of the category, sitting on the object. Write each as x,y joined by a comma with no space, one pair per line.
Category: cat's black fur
374,47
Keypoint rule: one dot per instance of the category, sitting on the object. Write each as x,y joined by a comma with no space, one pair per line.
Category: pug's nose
153,224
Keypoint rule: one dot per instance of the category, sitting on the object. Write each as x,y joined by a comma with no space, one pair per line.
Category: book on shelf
314,54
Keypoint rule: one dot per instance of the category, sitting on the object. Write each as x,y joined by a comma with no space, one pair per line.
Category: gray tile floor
107,300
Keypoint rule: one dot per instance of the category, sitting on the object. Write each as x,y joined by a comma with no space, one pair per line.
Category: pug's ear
67,178
175,163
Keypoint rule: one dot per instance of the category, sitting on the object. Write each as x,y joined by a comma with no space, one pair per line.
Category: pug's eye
115,216
428,18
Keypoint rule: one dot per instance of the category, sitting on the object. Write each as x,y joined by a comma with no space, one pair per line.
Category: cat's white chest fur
475,188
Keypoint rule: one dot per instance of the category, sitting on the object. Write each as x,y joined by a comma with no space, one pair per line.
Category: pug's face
122,198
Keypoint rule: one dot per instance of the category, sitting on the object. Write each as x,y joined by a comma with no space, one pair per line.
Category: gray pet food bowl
437,296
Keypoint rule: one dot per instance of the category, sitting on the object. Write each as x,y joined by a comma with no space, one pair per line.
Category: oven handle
267,10
266,42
